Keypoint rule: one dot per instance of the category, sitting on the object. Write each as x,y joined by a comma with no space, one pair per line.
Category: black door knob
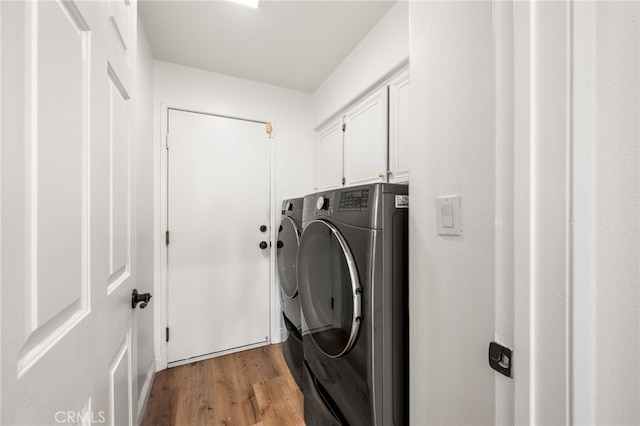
263,228
263,245
279,244
139,297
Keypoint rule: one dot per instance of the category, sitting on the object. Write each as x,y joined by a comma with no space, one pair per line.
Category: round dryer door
329,288
287,246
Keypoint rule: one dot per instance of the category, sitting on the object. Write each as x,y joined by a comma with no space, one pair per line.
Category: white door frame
584,291
552,108
544,155
504,200
160,225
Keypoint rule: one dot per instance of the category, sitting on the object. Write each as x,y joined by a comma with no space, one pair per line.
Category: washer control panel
354,201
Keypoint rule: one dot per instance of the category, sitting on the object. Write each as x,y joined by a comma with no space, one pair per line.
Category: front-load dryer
353,283
289,233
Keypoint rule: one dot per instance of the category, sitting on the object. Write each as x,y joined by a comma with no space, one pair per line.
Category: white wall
452,152
384,50
143,203
617,231
288,110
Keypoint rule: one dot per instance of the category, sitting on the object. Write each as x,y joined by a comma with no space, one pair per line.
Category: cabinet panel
365,140
330,156
399,128
374,144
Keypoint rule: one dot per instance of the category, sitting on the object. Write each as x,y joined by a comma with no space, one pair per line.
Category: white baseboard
161,363
279,336
216,354
146,390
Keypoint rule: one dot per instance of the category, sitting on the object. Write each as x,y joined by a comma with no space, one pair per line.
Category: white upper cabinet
399,128
369,142
330,156
365,140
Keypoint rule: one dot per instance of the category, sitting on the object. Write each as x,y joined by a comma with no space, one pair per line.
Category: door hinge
344,180
344,127
500,358
269,127
167,334
166,141
166,238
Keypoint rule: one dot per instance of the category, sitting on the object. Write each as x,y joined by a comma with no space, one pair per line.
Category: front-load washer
353,283
289,233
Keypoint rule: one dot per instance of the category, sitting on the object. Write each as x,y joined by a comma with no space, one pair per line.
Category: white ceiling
294,44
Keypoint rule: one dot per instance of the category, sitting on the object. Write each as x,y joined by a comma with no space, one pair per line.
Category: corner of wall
383,51
451,278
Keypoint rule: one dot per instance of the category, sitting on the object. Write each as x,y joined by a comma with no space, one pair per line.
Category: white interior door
218,198
66,212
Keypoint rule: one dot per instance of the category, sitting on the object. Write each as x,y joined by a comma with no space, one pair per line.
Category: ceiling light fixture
251,3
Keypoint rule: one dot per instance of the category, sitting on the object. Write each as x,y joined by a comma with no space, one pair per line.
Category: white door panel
56,182
119,182
365,140
399,132
119,14
120,409
219,183
65,216
118,79
330,156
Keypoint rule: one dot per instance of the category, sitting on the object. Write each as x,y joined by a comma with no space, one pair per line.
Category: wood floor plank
252,387
246,378
159,409
280,365
283,402
262,399
222,393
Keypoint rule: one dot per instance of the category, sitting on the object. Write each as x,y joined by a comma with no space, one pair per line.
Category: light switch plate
449,215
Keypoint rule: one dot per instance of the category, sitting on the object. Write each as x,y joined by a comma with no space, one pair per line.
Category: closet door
330,156
365,140
67,266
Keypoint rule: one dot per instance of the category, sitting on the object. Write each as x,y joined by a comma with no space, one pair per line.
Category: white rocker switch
449,215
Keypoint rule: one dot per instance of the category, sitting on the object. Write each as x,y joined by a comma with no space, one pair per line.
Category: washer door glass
329,288
287,252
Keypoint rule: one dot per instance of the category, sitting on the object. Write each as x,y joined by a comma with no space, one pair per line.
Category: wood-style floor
252,387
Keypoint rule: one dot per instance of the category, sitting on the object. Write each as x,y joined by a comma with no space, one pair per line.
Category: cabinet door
399,128
365,140
330,156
